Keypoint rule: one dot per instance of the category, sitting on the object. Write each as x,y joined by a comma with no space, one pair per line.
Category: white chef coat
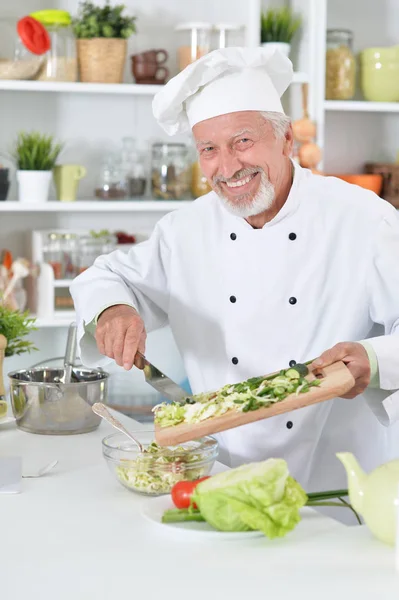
243,302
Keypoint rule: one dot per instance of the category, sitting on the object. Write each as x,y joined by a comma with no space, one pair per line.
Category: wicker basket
390,180
102,60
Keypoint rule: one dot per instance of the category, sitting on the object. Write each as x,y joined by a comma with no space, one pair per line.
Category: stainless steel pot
42,404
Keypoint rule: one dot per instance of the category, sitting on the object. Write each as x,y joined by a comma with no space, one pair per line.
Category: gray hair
278,121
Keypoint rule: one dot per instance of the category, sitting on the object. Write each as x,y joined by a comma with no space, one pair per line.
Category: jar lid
52,17
193,25
228,27
347,32
33,35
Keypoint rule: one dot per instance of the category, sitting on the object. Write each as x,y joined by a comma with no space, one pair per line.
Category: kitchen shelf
130,89
80,88
62,283
360,106
95,206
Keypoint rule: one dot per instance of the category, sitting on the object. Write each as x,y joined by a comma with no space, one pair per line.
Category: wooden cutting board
336,380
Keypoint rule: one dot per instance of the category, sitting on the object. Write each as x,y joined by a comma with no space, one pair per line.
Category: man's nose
229,164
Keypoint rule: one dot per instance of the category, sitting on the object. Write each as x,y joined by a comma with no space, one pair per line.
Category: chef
275,266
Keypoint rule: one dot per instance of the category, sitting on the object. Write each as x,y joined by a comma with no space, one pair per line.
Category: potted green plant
102,34
278,27
14,327
35,156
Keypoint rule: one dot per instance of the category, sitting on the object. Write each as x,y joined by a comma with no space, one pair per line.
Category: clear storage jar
226,35
69,246
23,45
93,246
60,62
340,65
171,171
195,41
112,184
52,254
133,167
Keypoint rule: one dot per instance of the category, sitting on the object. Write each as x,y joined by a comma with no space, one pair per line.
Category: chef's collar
289,207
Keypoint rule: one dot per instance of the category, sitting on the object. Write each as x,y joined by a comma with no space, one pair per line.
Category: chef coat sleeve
383,291
138,278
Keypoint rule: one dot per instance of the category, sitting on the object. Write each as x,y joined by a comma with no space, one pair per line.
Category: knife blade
161,382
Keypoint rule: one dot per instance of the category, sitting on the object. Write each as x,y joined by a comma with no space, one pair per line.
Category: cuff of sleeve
374,371
105,308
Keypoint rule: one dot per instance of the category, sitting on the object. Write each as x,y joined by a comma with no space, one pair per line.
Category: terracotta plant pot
371,182
101,60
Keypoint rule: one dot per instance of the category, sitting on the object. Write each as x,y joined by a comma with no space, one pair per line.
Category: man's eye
244,140
208,149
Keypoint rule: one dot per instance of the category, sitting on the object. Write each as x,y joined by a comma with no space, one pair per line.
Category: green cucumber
292,373
301,369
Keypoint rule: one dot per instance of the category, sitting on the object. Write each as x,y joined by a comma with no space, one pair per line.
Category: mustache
238,175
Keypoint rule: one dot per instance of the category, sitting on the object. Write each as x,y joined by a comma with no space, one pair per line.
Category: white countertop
77,534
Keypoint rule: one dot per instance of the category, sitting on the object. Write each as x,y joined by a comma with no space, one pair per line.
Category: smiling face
243,160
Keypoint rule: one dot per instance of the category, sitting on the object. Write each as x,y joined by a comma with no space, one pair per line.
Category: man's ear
288,141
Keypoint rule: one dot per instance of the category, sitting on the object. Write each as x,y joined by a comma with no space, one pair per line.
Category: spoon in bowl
100,409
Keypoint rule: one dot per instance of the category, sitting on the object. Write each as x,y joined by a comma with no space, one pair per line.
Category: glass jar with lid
94,245
195,41
61,60
340,65
23,45
133,167
171,171
52,253
112,184
227,35
69,246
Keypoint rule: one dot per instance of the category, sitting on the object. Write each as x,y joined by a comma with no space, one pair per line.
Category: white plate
154,508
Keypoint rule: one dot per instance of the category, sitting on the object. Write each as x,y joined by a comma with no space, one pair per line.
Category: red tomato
182,492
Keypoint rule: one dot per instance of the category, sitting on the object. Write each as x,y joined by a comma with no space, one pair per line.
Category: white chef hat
223,81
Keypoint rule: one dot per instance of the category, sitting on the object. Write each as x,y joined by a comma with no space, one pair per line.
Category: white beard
244,208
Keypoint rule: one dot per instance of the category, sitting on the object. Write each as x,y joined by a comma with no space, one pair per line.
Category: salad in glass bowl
156,470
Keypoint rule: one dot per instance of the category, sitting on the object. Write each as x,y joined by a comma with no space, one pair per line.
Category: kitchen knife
161,382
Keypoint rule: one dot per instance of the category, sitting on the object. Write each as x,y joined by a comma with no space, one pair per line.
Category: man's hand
120,333
356,359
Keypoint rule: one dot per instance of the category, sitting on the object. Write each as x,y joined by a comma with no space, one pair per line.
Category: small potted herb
35,156
102,34
278,27
14,327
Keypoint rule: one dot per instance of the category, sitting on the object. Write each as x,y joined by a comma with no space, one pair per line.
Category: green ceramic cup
66,179
380,74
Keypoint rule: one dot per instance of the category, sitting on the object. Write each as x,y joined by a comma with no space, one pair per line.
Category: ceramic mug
147,66
66,179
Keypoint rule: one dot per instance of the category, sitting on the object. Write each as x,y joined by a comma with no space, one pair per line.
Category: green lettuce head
259,496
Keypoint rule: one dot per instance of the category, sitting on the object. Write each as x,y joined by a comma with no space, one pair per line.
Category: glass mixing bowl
157,470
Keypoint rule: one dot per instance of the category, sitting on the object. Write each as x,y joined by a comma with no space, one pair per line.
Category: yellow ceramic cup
380,74
66,179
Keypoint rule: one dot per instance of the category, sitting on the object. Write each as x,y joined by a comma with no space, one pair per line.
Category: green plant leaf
279,25
35,152
15,326
106,21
